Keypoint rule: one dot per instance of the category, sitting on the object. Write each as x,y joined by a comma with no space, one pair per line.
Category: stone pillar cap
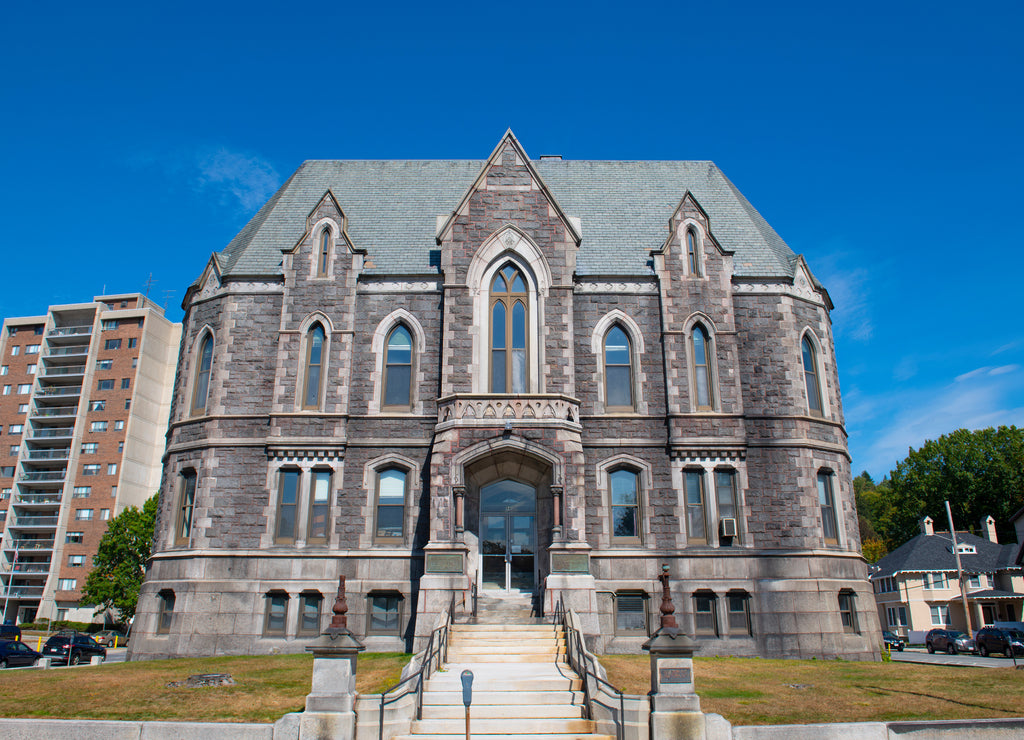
671,642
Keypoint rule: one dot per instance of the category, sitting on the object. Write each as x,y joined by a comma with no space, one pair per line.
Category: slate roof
624,207
933,553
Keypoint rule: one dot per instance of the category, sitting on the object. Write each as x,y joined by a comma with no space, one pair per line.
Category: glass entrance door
508,537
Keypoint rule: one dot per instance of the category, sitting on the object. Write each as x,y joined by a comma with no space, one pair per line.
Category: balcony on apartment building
71,353
50,433
69,332
27,544
51,372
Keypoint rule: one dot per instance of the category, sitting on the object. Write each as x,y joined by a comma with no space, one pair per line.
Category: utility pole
960,572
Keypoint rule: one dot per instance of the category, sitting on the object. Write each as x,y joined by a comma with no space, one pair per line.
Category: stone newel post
330,706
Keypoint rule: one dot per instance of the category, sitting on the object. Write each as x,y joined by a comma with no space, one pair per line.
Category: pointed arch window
692,255
702,377
618,370
314,367
811,377
324,257
509,319
201,389
398,368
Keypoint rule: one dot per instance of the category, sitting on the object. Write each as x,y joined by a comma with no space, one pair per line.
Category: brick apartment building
528,379
86,393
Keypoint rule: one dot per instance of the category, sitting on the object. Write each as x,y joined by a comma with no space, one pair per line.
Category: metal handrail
434,652
576,654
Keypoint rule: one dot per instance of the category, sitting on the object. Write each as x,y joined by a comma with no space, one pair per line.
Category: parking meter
467,695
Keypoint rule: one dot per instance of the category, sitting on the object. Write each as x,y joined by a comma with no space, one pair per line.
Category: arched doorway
508,536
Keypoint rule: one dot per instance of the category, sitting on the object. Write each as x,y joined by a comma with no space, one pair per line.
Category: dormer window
324,258
692,255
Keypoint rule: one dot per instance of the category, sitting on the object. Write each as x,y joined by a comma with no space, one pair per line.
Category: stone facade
736,478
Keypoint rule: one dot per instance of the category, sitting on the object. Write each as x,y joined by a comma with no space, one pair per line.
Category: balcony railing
78,349
69,370
61,390
48,454
29,568
496,409
70,331
34,521
45,475
22,592
56,432
57,411
30,545
38,498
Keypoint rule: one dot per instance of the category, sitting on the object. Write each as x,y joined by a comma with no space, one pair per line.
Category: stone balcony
494,409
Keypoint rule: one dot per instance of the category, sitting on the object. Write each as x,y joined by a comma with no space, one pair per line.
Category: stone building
533,378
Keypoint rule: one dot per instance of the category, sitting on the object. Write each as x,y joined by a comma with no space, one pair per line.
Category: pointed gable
327,212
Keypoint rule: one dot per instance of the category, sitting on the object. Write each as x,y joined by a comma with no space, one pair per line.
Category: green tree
120,561
980,473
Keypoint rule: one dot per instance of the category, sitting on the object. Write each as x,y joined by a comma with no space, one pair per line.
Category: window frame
508,300
731,597
283,475
809,352
388,378
705,630
305,599
165,611
631,594
271,614
638,536
693,253
323,260
707,363
188,483
688,475
734,495
379,539
203,374
311,509
309,365
371,597
848,611
827,509
630,374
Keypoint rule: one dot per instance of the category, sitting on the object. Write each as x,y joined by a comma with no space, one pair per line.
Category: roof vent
551,156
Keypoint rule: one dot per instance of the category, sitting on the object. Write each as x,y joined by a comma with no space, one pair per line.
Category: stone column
556,518
459,492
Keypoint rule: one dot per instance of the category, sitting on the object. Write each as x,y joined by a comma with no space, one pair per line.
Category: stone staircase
522,686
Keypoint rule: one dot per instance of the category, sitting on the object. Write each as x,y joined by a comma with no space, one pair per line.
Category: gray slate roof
392,205
933,553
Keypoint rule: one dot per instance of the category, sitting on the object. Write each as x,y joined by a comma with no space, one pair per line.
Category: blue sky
882,140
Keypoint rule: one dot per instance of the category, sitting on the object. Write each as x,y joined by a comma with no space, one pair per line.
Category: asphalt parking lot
920,655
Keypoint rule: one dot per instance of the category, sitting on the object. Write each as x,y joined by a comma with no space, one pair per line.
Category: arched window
701,347
390,509
618,373
625,505
692,256
314,367
398,368
509,319
186,506
324,258
201,389
811,377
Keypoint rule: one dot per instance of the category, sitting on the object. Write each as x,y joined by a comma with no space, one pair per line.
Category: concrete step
506,630
499,711
503,736
521,726
492,658
525,647
504,698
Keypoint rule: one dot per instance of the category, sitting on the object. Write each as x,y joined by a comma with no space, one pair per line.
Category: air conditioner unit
728,526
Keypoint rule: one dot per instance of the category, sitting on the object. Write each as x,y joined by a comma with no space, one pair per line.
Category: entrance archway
508,536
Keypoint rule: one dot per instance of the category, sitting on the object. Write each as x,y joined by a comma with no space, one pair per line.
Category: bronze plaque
570,562
674,675
444,563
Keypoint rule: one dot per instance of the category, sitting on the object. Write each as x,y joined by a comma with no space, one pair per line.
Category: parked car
10,631
996,640
72,648
16,653
949,641
109,637
894,641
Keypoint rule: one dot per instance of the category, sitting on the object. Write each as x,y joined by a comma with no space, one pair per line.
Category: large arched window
702,375
201,388
618,372
625,485
314,367
509,319
811,377
390,507
692,255
398,368
324,257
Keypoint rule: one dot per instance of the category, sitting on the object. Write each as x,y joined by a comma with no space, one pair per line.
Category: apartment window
14,450
118,425
74,538
133,342
24,389
165,612
625,505
7,390
974,581
728,509
390,505
310,603
692,255
126,383
319,506
31,370
15,351
202,382
105,515
5,494
83,515
848,611
701,351
933,581
113,492
827,503
81,492
97,405
67,584
105,365
127,404
618,370
105,385
32,349
15,429
120,447
398,368
186,506
111,468
314,367
108,324
813,387
91,469
324,260
940,615
287,506
4,369
384,613
696,524
705,613
90,448
22,408
76,561
6,471
135,362
739,612
630,612
897,616
509,319
277,613
112,344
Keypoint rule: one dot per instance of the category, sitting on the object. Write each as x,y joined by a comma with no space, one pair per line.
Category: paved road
920,655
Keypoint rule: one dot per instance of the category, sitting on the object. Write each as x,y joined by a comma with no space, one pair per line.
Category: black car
15,653
894,641
10,631
996,640
949,641
72,648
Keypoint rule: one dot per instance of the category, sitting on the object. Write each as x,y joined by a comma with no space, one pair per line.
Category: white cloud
247,179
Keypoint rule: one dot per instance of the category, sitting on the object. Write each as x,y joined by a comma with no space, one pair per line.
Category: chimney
926,525
988,527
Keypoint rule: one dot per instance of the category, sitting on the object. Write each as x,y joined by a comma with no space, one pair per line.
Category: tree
120,561
980,473
874,505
